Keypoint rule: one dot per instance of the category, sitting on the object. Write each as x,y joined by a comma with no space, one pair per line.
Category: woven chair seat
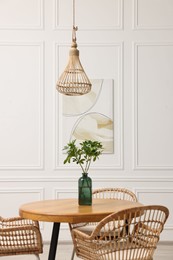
88,228
20,236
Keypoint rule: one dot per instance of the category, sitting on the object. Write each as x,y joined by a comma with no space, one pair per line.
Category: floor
164,252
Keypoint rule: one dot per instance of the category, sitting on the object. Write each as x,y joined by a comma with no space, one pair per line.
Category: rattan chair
20,236
115,238
114,193
103,193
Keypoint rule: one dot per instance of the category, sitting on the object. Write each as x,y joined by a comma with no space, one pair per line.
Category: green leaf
87,151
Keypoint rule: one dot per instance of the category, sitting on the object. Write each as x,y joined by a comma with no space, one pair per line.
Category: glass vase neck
85,174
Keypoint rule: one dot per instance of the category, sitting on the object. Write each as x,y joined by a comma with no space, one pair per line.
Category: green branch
83,156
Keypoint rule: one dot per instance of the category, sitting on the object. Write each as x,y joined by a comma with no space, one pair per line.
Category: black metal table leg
54,241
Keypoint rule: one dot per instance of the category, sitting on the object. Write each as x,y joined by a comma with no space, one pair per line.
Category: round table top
68,210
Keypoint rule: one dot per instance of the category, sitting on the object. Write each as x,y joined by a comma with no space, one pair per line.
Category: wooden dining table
68,211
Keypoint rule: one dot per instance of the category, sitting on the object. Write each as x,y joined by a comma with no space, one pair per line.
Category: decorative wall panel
11,199
65,193
153,121
90,15
21,106
112,55
153,14
21,14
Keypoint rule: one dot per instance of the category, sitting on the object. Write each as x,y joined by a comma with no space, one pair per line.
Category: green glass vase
85,190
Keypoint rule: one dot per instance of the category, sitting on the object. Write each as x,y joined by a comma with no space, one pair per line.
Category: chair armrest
20,228
18,222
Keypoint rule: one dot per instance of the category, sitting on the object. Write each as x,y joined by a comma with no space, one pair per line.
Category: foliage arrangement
83,155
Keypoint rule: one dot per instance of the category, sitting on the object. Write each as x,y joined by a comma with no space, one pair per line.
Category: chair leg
38,257
73,253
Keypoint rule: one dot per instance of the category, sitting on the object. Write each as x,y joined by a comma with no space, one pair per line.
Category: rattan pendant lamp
73,81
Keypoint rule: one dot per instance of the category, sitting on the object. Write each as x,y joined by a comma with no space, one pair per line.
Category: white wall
129,41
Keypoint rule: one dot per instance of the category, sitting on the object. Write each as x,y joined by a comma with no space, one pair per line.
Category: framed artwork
90,116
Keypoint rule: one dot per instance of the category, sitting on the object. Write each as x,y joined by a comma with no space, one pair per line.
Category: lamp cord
73,13
75,28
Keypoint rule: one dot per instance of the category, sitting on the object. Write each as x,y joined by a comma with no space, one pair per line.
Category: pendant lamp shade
73,81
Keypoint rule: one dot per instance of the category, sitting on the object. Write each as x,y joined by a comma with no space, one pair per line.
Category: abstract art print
90,116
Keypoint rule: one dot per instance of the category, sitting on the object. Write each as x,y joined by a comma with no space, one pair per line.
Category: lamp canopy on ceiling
74,81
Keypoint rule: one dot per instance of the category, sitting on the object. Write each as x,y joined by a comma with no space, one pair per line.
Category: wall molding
136,25
136,165
57,103
41,179
41,47
119,26
39,190
38,26
58,191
